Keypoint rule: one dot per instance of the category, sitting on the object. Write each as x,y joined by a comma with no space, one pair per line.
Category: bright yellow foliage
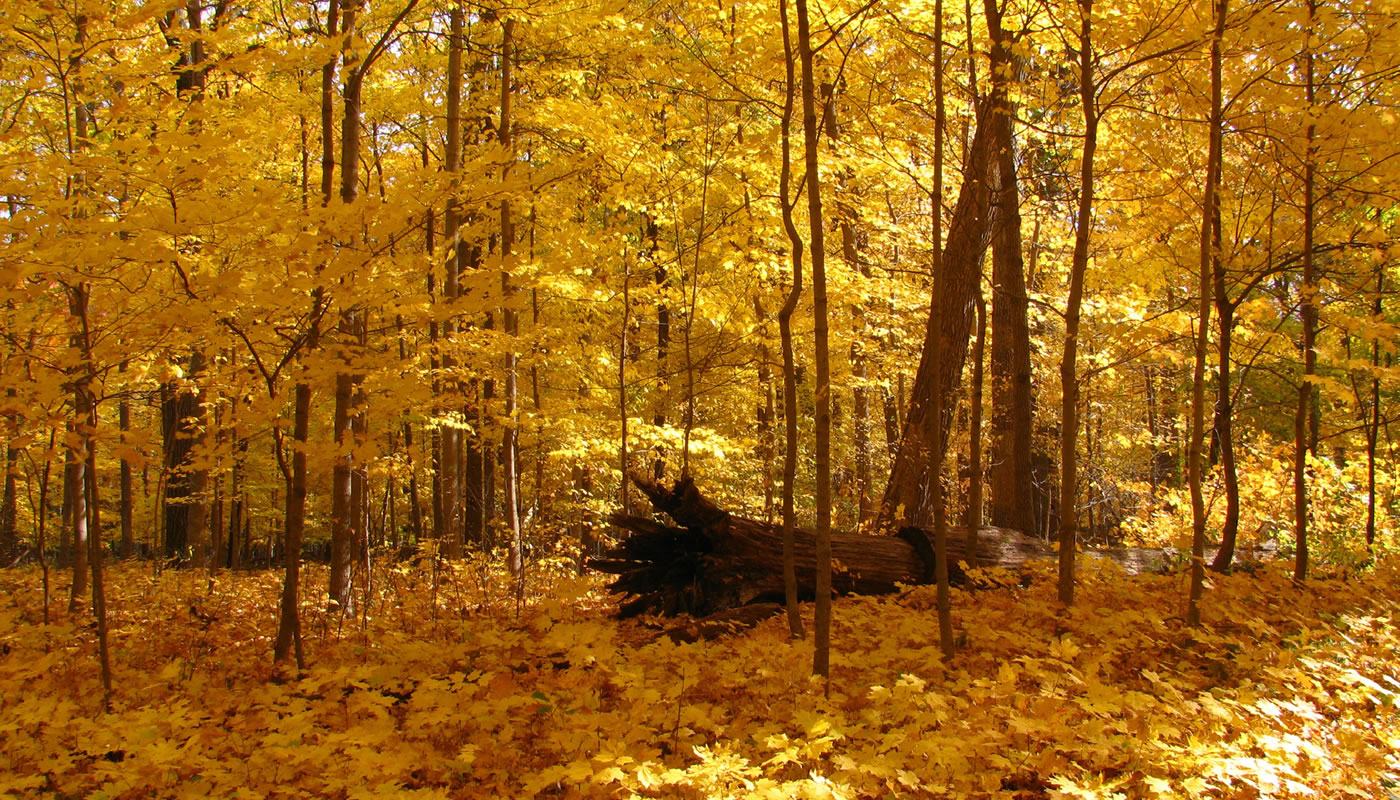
453,692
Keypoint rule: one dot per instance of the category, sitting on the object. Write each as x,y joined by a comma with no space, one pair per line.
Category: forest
758,398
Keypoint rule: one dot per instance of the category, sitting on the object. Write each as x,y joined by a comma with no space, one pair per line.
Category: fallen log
715,561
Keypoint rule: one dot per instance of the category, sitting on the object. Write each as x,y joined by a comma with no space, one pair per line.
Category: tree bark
9,533
1209,246
449,440
939,423
182,419
289,618
1373,422
715,561
794,296
510,434
1012,402
821,659
345,514
1308,293
1224,401
974,455
1069,378
906,499
126,512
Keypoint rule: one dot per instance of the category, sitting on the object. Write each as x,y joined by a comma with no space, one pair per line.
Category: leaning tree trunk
907,495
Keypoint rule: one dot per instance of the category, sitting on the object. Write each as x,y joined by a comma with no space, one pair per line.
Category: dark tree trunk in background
9,534
449,438
128,530
181,421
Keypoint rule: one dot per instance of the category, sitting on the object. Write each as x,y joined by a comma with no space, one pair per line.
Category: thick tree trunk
181,419
907,497
1012,402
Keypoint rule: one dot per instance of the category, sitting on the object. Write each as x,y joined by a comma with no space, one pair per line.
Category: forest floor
465,691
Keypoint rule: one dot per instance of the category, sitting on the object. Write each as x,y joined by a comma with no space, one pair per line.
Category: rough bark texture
1012,401
716,561
907,498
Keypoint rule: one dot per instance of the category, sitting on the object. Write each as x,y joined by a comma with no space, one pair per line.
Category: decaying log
716,561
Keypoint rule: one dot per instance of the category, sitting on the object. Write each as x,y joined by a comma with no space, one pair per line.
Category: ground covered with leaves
458,688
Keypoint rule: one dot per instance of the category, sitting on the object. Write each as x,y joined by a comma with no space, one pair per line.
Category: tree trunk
974,456
342,508
85,404
821,659
342,514
75,485
1012,401
1308,293
1208,266
1373,423
449,441
937,421
794,296
181,421
1069,379
717,561
289,618
510,434
9,534
237,503
126,511
663,341
294,515
1224,416
906,497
